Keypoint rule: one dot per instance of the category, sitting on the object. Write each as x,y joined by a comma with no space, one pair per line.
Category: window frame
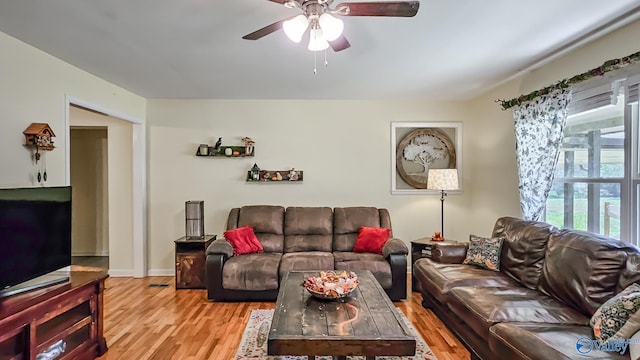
593,95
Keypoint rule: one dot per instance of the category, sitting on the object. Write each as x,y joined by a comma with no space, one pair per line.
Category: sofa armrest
220,247
394,246
449,253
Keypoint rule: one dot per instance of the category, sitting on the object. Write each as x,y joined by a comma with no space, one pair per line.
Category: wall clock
420,150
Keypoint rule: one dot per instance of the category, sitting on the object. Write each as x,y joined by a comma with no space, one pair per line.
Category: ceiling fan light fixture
295,28
317,41
332,27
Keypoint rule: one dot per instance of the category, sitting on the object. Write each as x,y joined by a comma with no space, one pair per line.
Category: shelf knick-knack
254,173
273,176
248,145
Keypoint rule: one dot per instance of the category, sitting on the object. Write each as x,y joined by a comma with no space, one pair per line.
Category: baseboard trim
161,272
120,273
90,253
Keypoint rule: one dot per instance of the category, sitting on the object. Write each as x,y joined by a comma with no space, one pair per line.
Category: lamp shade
331,26
442,179
295,28
317,42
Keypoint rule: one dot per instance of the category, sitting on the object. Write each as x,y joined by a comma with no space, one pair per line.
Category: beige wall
33,89
493,176
89,171
343,147
119,185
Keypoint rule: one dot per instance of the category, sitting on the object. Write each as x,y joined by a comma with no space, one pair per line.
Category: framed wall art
417,147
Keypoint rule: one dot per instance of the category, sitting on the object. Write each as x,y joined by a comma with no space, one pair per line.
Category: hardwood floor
144,320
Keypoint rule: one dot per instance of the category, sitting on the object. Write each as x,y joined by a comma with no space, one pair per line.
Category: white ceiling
193,48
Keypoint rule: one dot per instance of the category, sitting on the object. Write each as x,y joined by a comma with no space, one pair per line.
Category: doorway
89,181
104,160
126,182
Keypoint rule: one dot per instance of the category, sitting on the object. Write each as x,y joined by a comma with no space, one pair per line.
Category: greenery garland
610,65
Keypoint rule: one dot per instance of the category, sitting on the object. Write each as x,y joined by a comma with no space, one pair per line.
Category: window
597,184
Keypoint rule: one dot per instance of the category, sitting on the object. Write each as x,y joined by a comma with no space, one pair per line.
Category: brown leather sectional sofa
299,239
538,305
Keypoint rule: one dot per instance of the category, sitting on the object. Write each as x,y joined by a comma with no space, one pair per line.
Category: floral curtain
539,126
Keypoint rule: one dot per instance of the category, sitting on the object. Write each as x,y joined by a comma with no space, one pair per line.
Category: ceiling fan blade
396,8
339,44
279,1
265,30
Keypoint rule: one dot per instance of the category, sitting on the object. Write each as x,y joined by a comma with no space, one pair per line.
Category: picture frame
418,146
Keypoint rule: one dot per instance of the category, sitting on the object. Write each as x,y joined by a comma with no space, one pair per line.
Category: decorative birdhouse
248,145
40,136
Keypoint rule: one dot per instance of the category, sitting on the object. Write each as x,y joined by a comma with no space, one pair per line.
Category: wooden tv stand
32,322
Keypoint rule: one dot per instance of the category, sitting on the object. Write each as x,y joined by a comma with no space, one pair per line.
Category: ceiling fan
325,28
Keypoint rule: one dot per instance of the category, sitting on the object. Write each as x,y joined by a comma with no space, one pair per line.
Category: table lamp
194,219
442,180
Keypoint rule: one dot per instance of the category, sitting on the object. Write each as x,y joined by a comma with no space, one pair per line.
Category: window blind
594,97
633,93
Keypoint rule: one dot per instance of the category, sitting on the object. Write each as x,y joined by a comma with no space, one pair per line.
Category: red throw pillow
371,239
243,240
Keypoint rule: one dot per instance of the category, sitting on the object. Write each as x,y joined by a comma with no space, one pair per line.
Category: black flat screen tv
35,236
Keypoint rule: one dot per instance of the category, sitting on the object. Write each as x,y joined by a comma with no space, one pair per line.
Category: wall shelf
237,151
271,176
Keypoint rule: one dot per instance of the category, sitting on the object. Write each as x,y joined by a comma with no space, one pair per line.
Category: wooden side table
421,248
190,262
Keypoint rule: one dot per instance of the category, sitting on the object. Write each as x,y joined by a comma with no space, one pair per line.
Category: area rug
254,342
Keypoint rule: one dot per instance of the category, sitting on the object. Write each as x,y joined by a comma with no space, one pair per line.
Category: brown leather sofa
538,305
300,239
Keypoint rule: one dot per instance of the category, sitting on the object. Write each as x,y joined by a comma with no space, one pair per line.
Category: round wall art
420,150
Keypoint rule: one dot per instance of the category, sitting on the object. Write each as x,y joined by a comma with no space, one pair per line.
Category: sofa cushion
583,269
371,239
523,248
267,222
532,341
243,240
437,279
308,229
630,273
375,263
251,272
618,317
302,261
482,307
347,222
484,252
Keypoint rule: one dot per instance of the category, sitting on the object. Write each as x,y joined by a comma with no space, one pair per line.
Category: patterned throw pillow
484,252
618,317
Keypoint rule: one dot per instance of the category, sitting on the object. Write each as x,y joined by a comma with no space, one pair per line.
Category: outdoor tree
424,150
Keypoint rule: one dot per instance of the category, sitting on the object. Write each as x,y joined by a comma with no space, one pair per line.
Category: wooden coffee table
364,323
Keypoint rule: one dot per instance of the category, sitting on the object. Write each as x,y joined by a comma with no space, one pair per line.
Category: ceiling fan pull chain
315,61
325,58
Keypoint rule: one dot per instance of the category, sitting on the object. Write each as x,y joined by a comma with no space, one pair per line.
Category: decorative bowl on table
331,284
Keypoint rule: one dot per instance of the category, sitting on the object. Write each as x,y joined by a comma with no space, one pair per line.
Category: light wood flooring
152,322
